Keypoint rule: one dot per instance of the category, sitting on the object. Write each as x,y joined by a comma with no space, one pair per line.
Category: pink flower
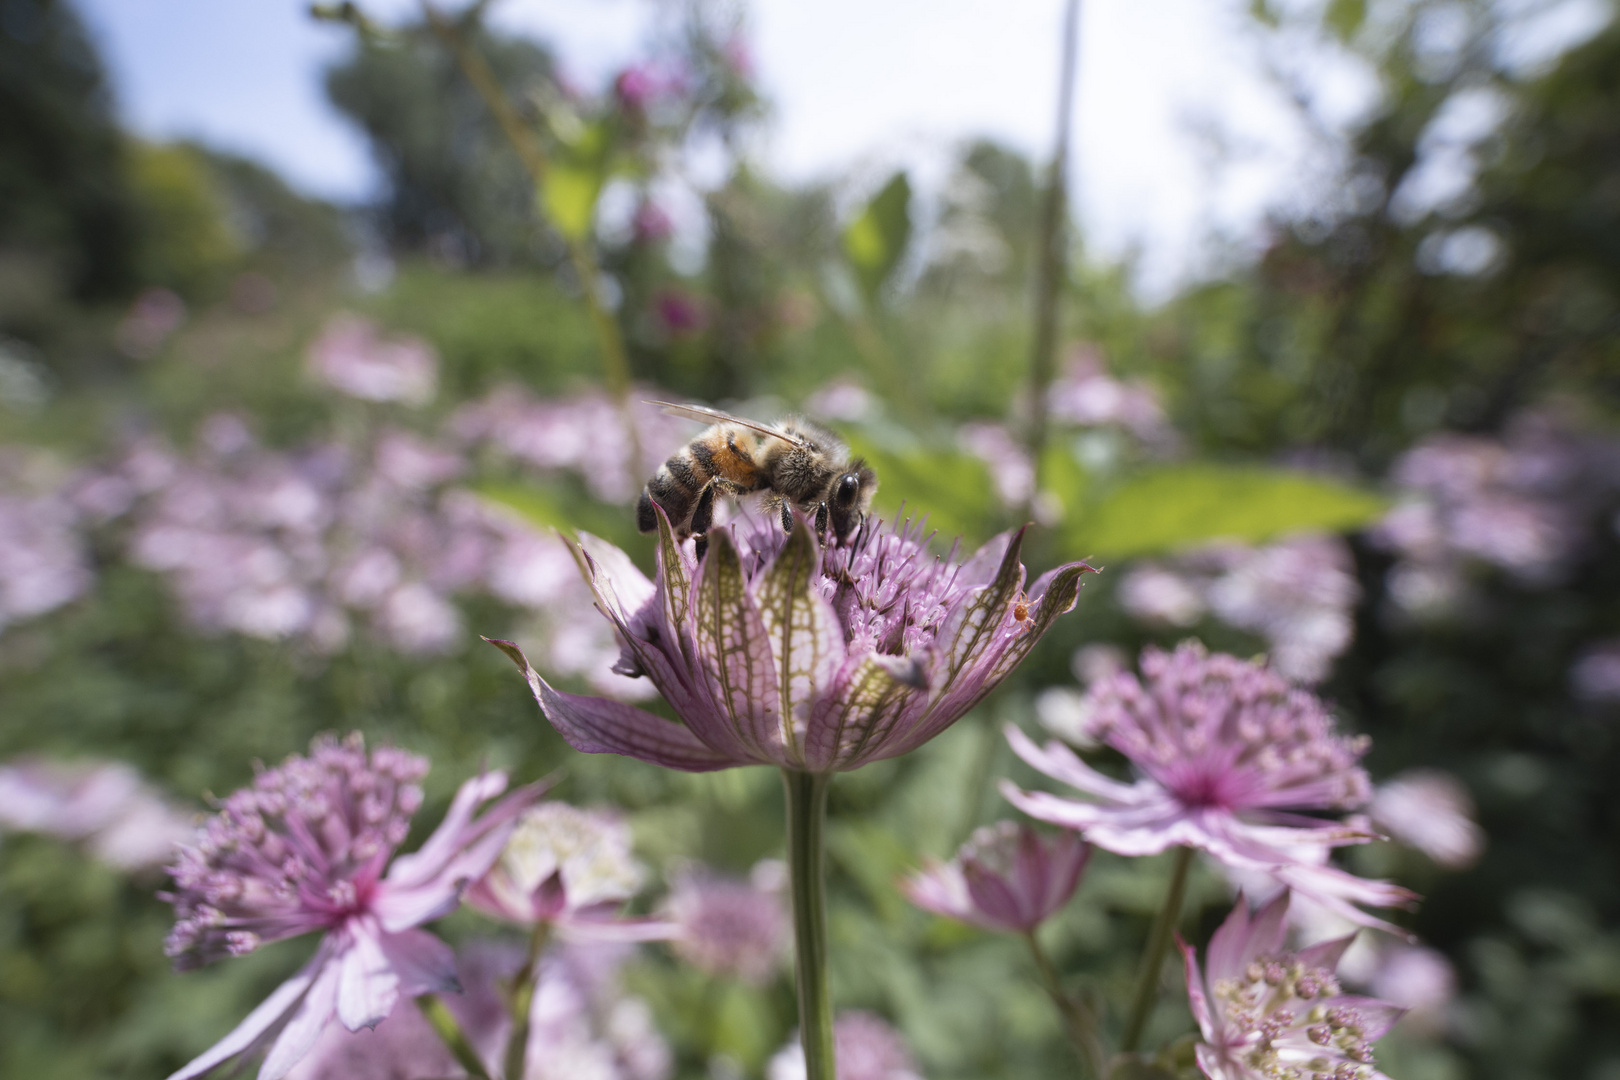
867,1048
572,868
1430,810
352,356
105,805
775,651
305,849
1266,1013
737,929
1006,877
1228,755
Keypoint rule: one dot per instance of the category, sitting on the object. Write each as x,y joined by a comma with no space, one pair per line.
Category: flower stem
522,998
1078,1020
806,814
453,1037
1052,271
1147,981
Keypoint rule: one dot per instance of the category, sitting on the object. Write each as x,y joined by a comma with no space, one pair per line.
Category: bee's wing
715,416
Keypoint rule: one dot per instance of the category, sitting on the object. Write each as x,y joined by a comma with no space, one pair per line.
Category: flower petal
736,653
264,1019
304,1027
626,584
447,840
803,630
850,724
367,985
970,626
1196,998
598,726
424,964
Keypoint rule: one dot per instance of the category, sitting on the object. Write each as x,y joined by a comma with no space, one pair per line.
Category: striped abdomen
722,456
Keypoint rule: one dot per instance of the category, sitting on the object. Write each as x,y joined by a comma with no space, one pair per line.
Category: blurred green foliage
1360,328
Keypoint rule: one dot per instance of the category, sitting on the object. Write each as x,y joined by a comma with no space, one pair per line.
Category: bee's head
850,498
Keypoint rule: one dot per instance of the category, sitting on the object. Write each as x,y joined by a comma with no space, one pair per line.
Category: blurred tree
1396,306
455,187
65,212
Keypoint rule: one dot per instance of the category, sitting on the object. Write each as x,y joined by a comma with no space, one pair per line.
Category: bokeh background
298,379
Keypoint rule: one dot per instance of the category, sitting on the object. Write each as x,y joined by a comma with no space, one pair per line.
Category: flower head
1269,1014
569,867
352,356
305,848
729,927
1006,877
775,651
1430,810
1228,754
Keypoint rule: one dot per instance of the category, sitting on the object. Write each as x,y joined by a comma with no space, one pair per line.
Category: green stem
1078,1021
454,1038
1147,981
806,815
521,1000
1053,253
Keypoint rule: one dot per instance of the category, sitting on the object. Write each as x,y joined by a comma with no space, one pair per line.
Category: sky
1178,136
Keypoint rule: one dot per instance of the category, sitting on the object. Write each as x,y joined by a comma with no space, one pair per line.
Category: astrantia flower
777,652
1269,1014
1430,810
305,849
1228,755
571,868
1006,877
737,929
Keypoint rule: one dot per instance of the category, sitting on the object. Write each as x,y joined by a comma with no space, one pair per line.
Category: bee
802,466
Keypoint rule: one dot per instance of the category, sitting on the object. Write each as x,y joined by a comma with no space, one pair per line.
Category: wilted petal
600,726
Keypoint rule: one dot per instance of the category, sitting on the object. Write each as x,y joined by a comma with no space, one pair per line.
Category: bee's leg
703,512
787,516
821,519
701,546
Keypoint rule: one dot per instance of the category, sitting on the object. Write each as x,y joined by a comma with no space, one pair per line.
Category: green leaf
1344,17
1185,505
876,240
951,488
568,197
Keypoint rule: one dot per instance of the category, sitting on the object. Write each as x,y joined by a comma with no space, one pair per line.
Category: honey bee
802,466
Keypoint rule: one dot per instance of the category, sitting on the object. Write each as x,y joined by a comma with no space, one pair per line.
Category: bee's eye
848,485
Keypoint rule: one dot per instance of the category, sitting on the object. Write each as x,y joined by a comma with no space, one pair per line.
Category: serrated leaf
876,241
1186,505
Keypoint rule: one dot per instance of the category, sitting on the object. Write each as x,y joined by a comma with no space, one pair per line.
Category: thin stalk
453,1037
615,361
1158,943
806,816
522,999
1053,253
1078,1021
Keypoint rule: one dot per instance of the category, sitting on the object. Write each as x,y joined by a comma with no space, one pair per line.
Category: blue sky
1177,135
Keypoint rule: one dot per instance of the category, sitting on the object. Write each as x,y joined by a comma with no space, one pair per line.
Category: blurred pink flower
1298,593
1265,1012
1430,810
1228,754
682,313
155,314
728,927
880,645
402,1046
105,805
1595,675
1008,460
651,224
866,1048
572,868
1086,395
304,849
352,356
1007,877
1418,979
